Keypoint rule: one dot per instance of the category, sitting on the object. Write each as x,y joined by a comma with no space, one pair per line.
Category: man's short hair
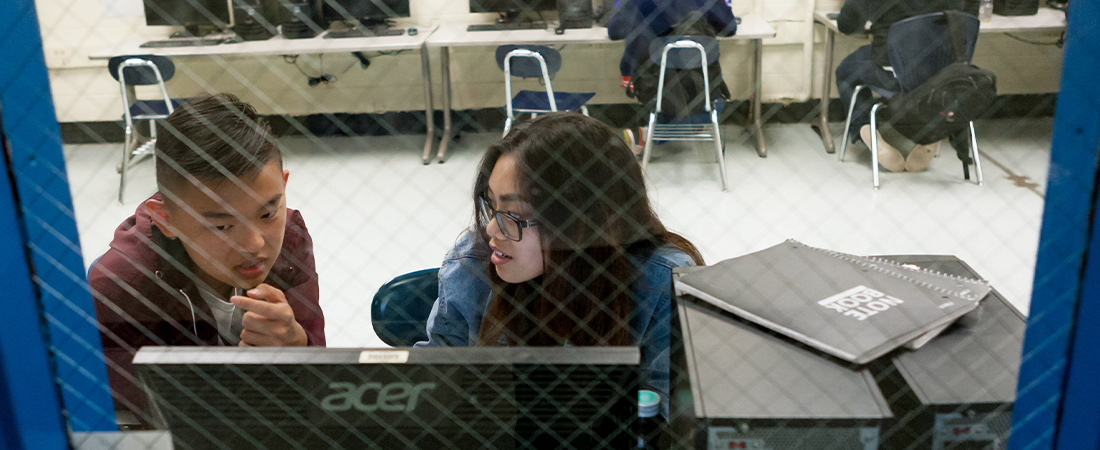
212,138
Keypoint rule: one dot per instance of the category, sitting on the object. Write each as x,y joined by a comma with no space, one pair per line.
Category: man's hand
268,320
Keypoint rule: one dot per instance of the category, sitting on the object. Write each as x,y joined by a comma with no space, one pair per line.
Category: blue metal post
30,407
1057,392
41,190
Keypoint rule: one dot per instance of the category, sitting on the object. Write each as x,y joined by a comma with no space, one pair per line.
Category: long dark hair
588,195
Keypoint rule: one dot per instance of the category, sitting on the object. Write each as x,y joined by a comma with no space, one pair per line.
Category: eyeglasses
511,225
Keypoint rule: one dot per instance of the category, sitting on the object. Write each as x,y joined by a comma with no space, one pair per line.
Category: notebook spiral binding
896,270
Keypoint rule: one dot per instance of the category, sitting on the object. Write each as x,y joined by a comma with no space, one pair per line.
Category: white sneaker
888,156
921,156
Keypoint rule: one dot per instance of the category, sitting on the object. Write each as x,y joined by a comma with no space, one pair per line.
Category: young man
214,257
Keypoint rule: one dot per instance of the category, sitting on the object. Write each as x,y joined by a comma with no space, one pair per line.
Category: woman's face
515,261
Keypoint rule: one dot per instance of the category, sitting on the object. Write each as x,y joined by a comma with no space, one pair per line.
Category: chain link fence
267,194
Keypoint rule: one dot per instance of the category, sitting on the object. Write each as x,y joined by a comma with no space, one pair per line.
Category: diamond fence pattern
216,259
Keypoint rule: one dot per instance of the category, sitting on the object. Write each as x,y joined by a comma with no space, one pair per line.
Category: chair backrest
921,46
399,311
684,52
680,57
141,75
526,65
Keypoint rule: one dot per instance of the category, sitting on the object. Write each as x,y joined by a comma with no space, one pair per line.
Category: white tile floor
375,212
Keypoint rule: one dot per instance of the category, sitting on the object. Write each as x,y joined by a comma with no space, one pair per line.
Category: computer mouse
412,31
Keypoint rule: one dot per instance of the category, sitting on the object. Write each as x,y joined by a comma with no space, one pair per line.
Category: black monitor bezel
330,14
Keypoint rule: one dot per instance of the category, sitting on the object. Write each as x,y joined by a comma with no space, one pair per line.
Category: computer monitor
472,397
194,15
515,10
367,12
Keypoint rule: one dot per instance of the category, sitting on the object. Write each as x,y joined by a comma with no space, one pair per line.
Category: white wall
84,91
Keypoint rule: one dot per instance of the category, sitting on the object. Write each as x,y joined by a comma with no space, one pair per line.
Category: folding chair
141,70
535,61
687,52
913,64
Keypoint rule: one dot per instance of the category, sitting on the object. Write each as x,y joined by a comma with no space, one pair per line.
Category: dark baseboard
492,119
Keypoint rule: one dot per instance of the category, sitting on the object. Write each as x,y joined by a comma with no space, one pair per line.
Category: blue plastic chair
400,309
535,61
141,70
686,52
913,65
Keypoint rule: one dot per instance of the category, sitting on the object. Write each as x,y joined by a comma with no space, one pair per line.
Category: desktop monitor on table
515,10
472,397
195,16
366,12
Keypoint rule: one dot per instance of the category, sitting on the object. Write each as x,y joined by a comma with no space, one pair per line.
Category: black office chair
535,61
141,70
400,309
693,53
915,64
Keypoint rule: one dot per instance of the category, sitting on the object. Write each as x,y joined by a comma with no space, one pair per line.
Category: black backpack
943,106
683,94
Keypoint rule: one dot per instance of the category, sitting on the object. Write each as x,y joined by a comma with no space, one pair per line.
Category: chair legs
648,140
507,126
133,149
975,155
874,145
718,149
848,124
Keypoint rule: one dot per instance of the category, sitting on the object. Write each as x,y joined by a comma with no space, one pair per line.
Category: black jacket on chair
881,14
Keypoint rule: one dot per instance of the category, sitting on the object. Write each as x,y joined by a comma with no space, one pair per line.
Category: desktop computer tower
300,20
735,386
575,13
957,391
250,23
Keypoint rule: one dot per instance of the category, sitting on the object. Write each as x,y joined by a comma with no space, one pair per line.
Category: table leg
429,109
826,87
445,74
757,62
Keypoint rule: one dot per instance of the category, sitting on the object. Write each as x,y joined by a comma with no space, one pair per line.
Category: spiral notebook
852,307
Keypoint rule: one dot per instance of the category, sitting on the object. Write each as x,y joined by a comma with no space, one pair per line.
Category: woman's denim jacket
464,294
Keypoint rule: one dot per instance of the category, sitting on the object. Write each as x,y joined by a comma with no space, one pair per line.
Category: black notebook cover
851,307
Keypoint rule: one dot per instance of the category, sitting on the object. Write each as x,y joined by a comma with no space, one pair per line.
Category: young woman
577,255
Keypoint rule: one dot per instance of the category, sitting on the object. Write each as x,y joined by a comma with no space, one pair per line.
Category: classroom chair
141,70
400,309
912,66
694,53
535,61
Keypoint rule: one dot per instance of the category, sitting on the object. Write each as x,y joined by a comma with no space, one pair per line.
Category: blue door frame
1058,402
39,213
1058,395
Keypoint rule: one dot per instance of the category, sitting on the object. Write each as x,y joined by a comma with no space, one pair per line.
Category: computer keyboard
360,32
183,42
507,26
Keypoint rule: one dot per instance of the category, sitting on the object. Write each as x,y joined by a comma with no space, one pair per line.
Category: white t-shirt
227,316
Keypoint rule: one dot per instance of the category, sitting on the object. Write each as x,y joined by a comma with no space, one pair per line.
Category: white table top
1045,19
277,46
752,26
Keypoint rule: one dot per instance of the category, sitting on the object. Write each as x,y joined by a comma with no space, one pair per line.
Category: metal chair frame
974,154
511,111
685,131
133,147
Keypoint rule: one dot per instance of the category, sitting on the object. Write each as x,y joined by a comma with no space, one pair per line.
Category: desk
280,46
752,27
1046,19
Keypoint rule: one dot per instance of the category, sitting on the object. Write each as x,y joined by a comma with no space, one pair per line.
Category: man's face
232,229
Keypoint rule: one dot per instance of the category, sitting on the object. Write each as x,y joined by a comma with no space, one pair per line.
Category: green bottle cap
649,403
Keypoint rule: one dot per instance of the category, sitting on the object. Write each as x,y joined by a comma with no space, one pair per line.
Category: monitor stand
194,31
515,17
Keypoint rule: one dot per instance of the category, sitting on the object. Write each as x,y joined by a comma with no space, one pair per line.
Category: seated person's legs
859,68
